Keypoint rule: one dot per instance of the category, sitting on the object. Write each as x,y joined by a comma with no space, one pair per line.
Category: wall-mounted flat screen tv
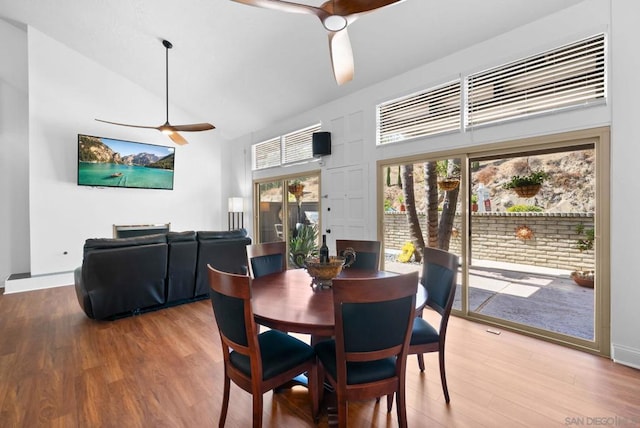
107,162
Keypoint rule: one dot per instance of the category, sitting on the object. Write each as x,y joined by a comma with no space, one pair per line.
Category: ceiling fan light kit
335,23
335,16
167,128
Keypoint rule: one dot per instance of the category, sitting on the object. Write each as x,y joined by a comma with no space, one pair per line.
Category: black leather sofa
125,276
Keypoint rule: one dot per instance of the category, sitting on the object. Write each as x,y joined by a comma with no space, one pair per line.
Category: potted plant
527,186
474,203
304,243
401,201
584,278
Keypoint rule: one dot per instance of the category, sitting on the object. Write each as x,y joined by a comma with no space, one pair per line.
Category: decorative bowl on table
323,273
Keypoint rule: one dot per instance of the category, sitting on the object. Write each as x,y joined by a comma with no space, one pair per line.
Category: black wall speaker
321,143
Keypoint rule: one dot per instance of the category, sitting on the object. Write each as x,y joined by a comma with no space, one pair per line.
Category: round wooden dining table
287,301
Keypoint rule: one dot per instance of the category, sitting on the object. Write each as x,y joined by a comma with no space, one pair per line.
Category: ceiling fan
167,128
336,16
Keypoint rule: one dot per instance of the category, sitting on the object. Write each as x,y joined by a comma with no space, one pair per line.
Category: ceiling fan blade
341,56
178,139
285,6
124,124
351,7
194,127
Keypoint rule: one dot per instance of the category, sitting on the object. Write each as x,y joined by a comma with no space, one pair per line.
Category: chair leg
401,407
389,402
257,409
420,361
443,376
225,401
315,390
342,412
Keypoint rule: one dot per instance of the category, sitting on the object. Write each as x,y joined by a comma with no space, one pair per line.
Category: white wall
66,92
14,152
621,111
625,152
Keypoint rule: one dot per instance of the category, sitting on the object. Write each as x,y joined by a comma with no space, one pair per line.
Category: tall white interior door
345,212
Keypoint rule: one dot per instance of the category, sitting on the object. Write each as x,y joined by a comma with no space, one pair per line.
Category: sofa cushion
107,243
222,234
181,273
181,236
225,251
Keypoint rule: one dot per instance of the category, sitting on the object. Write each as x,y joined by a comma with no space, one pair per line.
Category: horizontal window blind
266,154
298,145
428,112
568,76
293,147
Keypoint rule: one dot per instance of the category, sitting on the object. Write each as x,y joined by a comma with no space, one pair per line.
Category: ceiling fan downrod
167,44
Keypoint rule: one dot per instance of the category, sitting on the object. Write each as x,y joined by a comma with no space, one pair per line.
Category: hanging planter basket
448,184
527,191
296,189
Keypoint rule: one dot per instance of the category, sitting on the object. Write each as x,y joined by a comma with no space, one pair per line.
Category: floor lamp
236,214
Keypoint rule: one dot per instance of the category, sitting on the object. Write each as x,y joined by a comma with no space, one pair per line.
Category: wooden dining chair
255,362
439,277
367,253
266,258
368,357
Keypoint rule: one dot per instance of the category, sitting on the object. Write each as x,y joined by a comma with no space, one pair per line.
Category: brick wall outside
493,238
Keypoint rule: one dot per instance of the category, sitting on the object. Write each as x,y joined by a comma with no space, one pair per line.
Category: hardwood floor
164,369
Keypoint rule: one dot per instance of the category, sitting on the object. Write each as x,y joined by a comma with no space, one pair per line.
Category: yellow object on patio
407,252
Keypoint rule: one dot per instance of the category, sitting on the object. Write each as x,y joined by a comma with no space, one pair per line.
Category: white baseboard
626,356
38,282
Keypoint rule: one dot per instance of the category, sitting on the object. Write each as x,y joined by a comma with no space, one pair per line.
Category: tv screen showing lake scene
106,162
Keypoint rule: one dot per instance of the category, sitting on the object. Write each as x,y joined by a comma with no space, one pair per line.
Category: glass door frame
600,137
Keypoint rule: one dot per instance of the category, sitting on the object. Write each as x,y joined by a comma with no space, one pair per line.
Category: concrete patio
530,295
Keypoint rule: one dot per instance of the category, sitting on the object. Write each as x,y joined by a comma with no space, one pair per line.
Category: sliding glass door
529,219
288,210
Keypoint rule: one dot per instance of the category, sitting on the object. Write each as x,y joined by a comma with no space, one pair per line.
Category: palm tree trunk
415,232
431,189
448,213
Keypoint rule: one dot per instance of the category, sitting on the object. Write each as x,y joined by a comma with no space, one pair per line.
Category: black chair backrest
231,300
367,253
383,305
265,265
439,277
266,258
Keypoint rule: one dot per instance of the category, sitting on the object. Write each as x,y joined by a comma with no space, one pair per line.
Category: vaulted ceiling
242,68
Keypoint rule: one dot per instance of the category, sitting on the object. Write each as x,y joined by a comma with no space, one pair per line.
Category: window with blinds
298,145
569,76
429,112
266,154
290,148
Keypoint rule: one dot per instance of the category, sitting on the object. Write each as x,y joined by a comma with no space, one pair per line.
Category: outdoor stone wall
493,237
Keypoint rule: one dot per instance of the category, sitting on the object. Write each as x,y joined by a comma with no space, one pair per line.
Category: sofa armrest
120,280
81,293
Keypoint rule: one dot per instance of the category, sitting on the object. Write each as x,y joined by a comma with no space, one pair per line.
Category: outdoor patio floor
538,297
